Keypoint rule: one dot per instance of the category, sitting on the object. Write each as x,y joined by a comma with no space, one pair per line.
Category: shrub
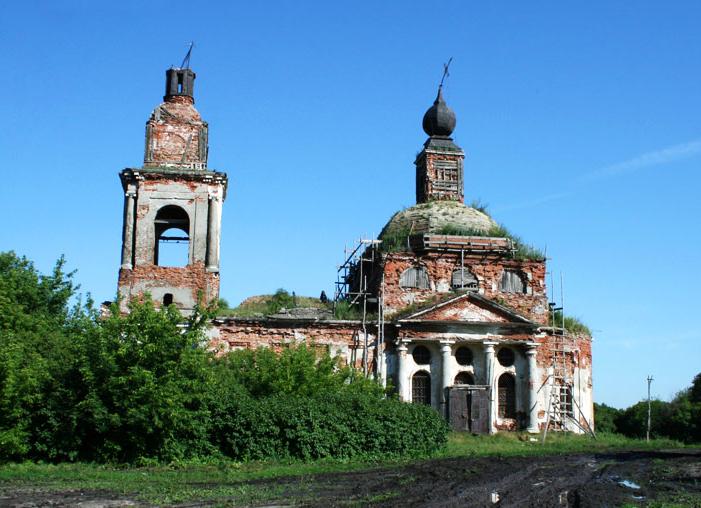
148,386
141,388
342,425
296,370
299,404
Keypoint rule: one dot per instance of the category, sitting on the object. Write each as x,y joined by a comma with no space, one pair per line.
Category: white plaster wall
520,372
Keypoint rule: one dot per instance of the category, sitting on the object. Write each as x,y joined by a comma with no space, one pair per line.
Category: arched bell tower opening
172,207
172,232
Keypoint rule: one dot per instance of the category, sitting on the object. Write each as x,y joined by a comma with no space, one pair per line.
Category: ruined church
452,311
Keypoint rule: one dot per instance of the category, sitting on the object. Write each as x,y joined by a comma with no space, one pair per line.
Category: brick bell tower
173,204
439,166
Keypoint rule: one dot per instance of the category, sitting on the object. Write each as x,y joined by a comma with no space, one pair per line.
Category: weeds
265,305
571,324
397,240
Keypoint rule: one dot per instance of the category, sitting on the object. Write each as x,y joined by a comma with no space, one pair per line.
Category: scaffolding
563,412
352,286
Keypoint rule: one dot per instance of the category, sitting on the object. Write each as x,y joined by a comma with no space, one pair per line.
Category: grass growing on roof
396,239
264,305
522,251
571,324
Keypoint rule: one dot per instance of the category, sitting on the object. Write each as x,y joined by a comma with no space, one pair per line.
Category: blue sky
581,126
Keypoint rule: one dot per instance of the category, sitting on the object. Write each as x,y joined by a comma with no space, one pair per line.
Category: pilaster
489,375
532,387
402,382
446,353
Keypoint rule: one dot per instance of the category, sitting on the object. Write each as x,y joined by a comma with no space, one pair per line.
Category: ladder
562,401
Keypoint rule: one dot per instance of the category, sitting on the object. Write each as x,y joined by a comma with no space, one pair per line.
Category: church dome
438,217
439,119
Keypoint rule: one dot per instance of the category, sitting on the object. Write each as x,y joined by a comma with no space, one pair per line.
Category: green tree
148,380
633,421
605,418
695,390
141,386
38,382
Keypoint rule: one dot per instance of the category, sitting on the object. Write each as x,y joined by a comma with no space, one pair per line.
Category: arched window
463,355
421,388
415,277
512,282
507,396
167,299
464,378
506,357
172,228
464,279
421,355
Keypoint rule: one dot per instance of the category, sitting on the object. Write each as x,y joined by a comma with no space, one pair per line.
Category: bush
343,425
141,388
299,404
296,370
148,386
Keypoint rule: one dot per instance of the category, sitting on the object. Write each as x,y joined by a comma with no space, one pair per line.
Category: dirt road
616,479
574,480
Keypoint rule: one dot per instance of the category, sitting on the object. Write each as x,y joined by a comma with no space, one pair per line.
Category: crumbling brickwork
176,135
488,270
459,309
342,338
188,284
173,198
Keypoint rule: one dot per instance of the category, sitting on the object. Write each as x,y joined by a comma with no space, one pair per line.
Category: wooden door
459,409
479,412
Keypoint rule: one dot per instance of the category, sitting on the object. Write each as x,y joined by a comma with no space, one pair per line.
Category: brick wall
488,271
174,129
342,338
158,280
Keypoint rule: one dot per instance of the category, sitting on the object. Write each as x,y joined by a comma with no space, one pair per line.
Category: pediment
467,308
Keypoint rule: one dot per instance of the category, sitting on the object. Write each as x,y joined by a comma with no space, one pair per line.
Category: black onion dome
439,120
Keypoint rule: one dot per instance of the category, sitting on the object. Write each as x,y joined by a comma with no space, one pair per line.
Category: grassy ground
236,482
521,444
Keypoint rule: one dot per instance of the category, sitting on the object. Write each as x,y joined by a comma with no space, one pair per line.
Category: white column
446,350
214,222
402,381
532,388
128,237
489,375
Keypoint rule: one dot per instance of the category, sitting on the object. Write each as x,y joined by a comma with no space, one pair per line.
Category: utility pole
649,407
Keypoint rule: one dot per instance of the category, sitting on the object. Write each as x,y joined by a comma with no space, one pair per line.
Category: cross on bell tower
174,198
